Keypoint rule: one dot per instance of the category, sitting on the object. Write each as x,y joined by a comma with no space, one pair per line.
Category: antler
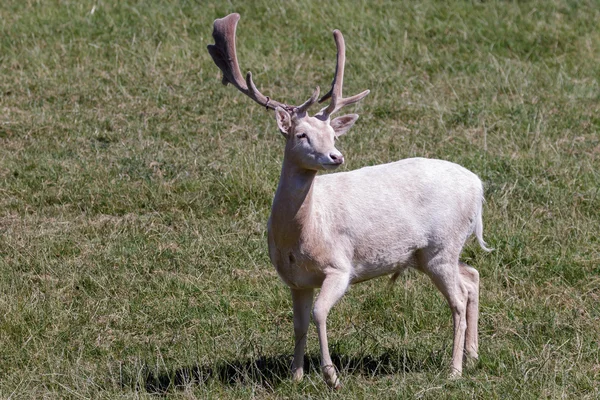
224,55
337,101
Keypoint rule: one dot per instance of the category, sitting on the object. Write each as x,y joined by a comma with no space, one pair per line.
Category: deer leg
302,301
333,288
470,278
444,272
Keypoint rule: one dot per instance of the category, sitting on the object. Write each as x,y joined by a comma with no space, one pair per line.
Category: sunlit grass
135,190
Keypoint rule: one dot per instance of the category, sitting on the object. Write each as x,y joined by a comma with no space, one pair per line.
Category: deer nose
336,157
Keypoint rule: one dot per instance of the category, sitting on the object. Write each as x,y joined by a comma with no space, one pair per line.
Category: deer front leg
333,288
302,301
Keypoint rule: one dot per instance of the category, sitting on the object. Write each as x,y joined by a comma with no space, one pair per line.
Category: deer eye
301,135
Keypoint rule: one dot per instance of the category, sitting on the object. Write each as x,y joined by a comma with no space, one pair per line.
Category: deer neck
292,206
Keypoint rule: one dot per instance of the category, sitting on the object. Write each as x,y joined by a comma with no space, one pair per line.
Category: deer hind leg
443,270
470,278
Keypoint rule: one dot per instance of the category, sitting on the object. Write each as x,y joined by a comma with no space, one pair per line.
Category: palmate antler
224,55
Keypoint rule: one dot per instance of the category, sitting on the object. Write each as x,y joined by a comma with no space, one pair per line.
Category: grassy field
135,190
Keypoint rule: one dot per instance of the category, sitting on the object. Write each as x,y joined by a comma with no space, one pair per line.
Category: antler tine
224,55
308,103
337,101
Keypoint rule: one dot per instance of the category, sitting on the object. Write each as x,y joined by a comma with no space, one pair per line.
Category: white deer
335,230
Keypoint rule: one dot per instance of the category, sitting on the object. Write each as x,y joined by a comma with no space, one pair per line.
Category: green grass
135,190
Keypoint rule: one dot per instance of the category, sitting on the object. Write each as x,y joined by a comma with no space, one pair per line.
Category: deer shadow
270,371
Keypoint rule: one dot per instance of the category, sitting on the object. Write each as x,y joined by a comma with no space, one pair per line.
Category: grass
135,189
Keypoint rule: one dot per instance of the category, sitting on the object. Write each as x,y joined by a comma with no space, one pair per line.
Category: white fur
334,230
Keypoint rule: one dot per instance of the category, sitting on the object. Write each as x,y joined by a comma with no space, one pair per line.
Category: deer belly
381,264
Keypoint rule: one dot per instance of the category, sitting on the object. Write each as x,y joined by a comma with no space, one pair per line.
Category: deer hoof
331,377
454,374
297,375
471,360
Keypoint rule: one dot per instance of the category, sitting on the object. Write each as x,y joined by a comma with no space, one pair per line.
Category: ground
135,191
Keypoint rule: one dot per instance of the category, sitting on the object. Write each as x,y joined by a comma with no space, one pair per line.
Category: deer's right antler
224,55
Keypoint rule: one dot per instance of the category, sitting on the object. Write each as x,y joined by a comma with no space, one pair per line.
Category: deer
333,230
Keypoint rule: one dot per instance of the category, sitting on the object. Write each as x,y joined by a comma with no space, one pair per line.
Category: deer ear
284,121
342,124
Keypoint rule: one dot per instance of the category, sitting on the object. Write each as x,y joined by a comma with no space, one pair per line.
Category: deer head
310,140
